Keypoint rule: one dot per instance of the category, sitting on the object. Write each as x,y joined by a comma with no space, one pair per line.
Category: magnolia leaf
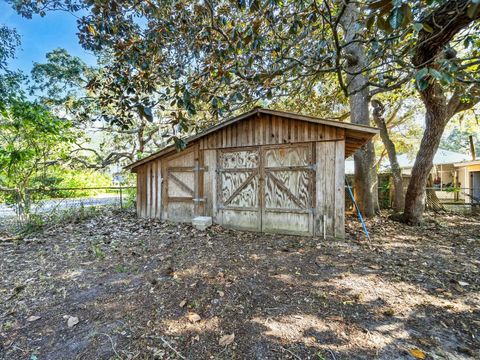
72,321
396,18
418,354
417,27
148,113
427,28
423,84
379,4
226,339
473,9
436,74
180,144
408,14
370,21
421,74
447,78
383,24
193,317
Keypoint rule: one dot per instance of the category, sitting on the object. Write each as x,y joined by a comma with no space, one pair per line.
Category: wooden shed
264,170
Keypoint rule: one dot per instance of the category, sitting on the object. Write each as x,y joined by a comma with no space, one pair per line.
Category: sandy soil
115,287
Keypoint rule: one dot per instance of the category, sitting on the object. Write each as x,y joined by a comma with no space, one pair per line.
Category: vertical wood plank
279,131
164,207
270,134
201,183
252,130
295,131
158,206
234,135
321,132
154,189
320,188
144,192
149,189
305,131
340,189
138,192
329,186
209,183
229,136
261,127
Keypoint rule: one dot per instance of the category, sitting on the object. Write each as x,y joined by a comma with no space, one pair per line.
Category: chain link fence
35,207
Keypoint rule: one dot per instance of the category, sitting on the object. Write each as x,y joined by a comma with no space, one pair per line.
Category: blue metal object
358,210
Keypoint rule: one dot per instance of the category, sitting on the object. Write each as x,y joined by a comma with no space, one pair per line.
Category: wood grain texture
268,130
237,188
272,187
209,182
287,189
320,189
339,216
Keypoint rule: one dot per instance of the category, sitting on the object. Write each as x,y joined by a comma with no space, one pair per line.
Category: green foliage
9,41
31,137
458,140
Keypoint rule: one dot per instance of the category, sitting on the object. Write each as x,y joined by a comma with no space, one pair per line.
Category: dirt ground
115,287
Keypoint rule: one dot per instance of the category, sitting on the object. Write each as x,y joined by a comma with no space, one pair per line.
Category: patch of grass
120,269
97,251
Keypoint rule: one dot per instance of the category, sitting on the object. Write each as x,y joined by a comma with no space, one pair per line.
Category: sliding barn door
238,188
288,177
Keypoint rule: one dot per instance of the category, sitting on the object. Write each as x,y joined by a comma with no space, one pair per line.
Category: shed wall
180,185
269,130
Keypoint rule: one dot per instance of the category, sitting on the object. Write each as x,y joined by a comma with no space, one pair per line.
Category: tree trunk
398,197
432,201
365,180
446,21
435,121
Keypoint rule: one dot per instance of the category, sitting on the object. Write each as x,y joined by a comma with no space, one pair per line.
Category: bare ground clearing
150,290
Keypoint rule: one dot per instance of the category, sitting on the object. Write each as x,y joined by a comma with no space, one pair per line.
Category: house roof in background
406,161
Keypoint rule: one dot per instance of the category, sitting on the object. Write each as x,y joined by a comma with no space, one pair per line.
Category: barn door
180,187
238,188
288,176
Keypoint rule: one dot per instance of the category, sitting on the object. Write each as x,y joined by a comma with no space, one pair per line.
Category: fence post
27,201
121,202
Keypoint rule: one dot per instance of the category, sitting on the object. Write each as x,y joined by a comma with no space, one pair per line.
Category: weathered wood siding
209,183
265,173
149,190
180,185
269,130
330,189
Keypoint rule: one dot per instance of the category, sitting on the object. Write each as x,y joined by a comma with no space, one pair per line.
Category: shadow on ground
137,287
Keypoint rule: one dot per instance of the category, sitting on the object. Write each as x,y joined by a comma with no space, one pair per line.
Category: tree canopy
179,59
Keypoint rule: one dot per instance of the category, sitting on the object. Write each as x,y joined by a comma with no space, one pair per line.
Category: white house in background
468,174
450,170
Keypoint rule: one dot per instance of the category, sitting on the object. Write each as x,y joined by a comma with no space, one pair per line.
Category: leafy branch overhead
219,56
192,63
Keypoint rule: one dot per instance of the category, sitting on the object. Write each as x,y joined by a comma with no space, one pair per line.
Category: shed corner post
339,226
319,217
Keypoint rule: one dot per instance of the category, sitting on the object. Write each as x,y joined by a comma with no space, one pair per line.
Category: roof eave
369,131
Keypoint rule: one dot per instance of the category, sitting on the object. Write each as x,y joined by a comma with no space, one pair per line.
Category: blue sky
41,35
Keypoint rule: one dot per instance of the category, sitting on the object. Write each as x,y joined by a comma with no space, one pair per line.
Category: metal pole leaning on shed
357,208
